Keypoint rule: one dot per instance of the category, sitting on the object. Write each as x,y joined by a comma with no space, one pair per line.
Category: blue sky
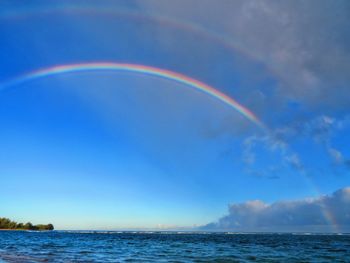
117,150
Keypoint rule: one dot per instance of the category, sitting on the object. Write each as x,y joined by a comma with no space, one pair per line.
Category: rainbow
224,41
153,71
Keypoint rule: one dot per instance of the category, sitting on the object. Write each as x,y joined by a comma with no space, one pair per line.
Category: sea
92,246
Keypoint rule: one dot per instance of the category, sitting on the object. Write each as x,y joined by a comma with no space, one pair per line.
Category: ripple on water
162,247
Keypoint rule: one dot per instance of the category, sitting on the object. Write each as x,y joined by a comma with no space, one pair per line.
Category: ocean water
58,246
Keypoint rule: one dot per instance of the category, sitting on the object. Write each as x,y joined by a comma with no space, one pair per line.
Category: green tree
28,226
6,223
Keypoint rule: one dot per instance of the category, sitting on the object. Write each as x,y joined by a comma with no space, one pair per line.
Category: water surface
21,246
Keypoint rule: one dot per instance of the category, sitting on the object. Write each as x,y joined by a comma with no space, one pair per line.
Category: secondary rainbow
136,68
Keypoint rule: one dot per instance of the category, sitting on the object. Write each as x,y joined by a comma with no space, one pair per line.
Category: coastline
24,230
5,229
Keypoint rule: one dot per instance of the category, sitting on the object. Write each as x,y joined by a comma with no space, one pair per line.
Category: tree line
6,223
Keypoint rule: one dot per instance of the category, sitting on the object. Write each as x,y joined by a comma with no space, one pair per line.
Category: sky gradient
147,148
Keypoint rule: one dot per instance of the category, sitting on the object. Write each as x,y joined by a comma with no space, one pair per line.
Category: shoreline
23,230
5,229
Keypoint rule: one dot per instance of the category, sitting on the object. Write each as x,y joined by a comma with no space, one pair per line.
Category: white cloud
248,153
336,155
324,213
322,132
294,161
274,147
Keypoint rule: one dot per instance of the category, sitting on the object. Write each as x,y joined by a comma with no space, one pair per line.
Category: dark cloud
324,213
306,44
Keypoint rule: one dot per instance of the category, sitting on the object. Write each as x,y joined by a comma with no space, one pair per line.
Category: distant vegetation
6,223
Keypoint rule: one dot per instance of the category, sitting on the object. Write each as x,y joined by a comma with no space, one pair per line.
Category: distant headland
7,224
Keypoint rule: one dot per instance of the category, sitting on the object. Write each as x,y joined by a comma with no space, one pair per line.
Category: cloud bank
330,213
